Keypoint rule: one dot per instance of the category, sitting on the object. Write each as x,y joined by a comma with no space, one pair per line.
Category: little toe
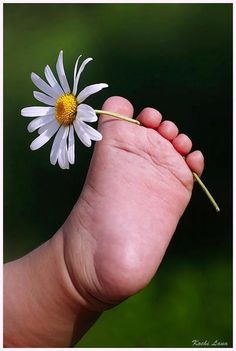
168,130
149,117
182,144
195,161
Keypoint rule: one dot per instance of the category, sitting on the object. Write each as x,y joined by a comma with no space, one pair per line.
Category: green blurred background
176,58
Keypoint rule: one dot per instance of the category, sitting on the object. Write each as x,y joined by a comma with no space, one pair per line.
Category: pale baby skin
137,188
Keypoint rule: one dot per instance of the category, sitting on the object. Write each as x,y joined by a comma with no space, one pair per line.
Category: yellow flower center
65,109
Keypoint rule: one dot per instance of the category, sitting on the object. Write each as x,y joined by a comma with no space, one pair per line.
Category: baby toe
182,144
149,117
195,161
168,130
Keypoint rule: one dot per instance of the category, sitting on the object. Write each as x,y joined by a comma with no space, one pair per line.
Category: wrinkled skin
137,188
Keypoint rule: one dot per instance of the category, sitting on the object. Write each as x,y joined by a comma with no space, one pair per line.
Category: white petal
82,135
63,157
62,154
60,158
52,80
56,145
76,80
86,113
39,82
44,137
35,111
59,153
75,69
89,90
92,133
44,98
61,73
39,122
46,126
67,160
71,146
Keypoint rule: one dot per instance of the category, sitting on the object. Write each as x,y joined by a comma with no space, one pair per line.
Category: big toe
116,104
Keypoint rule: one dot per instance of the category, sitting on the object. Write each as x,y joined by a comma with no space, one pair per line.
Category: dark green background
178,59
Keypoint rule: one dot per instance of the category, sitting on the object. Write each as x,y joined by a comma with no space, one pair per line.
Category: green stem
127,119
117,115
206,191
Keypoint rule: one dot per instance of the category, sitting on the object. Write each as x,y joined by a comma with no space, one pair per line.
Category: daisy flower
65,113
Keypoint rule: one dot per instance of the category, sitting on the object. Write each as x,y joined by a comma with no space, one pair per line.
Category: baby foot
137,188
